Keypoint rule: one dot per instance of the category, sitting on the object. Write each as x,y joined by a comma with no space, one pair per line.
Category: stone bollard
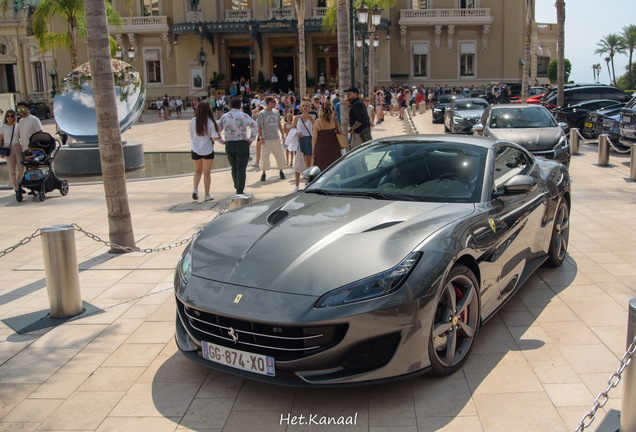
628,409
603,150
574,141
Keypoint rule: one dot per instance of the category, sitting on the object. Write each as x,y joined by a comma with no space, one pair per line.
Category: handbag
342,141
304,141
6,151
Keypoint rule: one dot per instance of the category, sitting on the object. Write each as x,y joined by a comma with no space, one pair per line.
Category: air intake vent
382,226
277,216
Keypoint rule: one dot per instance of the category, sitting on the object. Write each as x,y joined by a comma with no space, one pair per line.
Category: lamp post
118,53
201,55
52,73
131,52
364,37
252,58
597,70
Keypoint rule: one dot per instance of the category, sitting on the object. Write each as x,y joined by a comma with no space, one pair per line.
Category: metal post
574,141
632,164
240,200
61,271
414,108
628,411
603,150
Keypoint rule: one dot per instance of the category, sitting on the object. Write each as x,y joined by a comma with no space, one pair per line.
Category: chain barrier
578,132
37,233
612,382
616,149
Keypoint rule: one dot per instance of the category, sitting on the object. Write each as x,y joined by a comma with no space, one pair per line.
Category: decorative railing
145,21
543,26
282,14
318,12
238,15
458,14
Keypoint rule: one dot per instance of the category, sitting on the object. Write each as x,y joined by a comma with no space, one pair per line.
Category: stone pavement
536,366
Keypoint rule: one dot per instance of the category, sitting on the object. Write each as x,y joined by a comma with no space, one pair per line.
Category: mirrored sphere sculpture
74,104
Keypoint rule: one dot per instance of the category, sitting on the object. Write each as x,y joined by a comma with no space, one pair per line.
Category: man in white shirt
289,81
178,104
274,81
268,127
28,124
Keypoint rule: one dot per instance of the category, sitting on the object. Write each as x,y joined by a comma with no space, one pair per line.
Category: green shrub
553,70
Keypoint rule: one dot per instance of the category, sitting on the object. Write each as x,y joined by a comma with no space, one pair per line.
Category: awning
467,47
151,55
546,51
420,48
539,51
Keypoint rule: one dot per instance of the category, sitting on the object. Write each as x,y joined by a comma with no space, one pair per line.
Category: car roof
468,99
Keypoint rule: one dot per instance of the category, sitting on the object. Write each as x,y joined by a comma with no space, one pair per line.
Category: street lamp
252,58
365,37
131,52
376,15
118,52
363,14
52,73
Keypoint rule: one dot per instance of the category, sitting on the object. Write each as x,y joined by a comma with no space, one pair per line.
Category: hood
310,244
533,139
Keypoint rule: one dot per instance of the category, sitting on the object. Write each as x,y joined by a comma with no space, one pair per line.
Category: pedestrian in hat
359,125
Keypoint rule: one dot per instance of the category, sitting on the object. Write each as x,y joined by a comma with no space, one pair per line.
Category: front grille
282,342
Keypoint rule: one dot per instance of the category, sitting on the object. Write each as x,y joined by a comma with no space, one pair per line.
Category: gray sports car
384,267
463,114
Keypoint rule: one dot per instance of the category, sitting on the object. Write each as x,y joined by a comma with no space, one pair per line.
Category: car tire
557,251
456,320
47,115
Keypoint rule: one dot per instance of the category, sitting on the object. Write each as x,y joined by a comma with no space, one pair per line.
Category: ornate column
132,39
403,39
484,37
449,39
438,34
166,39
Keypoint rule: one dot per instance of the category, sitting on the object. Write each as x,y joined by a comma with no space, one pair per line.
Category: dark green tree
553,70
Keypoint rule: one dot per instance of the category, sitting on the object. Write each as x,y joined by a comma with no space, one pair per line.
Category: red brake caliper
459,296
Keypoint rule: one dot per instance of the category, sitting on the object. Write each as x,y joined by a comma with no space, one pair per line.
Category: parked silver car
463,114
384,267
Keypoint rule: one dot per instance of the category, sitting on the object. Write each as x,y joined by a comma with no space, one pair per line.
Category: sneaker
195,194
263,177
295,189
255,164
208,198
282,175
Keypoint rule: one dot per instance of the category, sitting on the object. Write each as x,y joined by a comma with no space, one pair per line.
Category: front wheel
560,236
64,187
456,322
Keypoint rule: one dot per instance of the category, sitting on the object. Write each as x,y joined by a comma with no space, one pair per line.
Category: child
289,118
34,153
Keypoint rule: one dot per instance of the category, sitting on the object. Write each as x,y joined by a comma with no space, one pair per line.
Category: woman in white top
304,125
203,132
11,137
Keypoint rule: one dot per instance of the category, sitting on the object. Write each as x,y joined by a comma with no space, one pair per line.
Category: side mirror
517,185
563,125
477,128
311,173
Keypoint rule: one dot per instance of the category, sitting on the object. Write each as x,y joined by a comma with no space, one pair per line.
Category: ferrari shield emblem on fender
490,221
238,298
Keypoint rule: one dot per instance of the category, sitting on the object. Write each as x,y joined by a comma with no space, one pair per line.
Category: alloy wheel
562,230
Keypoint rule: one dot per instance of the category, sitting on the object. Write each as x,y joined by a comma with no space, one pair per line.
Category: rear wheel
560,236
64,187
455,323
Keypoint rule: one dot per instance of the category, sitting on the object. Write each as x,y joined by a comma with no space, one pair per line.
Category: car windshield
470,105
31,106
448,98
427,171
521,118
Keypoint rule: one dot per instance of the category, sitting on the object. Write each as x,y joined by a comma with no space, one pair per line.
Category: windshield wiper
378,195
320,192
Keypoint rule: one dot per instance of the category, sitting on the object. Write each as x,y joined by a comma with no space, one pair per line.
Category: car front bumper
392,328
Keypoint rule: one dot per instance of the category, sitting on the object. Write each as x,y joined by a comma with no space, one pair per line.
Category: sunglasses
21,109
10,116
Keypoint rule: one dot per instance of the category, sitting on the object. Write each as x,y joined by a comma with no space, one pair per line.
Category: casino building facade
446,42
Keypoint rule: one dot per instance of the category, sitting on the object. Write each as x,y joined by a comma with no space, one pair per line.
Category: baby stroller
36,178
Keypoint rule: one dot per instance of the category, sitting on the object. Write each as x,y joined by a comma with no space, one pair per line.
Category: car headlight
184,267
437,110
378,285
563,143
457,120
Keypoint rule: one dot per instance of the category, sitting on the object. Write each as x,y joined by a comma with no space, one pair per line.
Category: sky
586,22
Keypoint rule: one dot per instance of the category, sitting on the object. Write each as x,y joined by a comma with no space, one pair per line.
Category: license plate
588,125
246,361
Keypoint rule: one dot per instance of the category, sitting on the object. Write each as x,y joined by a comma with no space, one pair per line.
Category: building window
467,59
151,7
238,5
324,3
420,54
39,77
467,4
420,4
281,4
154,71
542,66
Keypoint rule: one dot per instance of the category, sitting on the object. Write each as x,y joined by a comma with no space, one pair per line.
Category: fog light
373,354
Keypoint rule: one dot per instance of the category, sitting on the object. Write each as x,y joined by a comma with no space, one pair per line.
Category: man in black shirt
358,119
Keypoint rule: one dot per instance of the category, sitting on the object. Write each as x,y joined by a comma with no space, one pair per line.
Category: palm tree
610,45
344,58
71,12
609,71
111,151
527,51
560,7
628,40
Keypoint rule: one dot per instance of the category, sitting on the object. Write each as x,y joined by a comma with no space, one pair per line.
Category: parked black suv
574,115
574,95
628,123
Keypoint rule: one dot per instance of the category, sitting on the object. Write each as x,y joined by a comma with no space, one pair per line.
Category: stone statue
194,5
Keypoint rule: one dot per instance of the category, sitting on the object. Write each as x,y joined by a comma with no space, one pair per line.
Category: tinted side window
509,162
614,94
